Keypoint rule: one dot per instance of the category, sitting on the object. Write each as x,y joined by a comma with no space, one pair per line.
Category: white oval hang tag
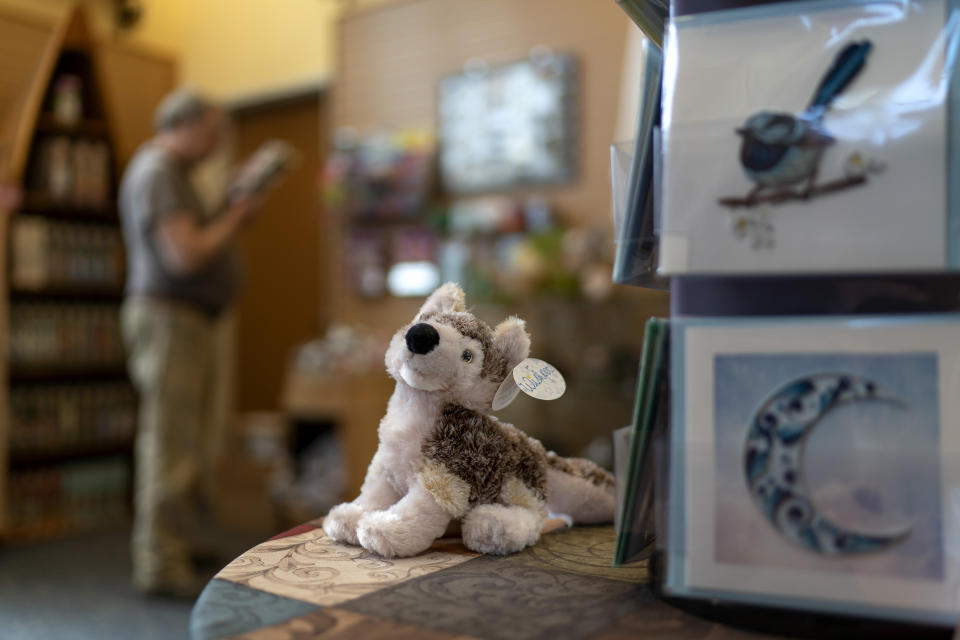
535,378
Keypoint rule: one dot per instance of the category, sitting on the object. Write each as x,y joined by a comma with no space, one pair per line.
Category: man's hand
245,207
186,246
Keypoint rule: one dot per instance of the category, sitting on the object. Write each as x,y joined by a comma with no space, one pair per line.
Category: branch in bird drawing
785,195
781,151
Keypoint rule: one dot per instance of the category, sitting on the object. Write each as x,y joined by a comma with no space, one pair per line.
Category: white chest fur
410,420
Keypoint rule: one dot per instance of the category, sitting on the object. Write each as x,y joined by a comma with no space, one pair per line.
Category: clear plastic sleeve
811,464
635,174
810,137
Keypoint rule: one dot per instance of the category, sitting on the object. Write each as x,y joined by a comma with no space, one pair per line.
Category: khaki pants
179,360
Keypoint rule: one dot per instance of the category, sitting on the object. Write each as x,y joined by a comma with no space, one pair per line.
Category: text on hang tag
536,378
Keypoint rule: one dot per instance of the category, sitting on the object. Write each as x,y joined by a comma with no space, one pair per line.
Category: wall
236,48
230,48
282,302
136,80
157,29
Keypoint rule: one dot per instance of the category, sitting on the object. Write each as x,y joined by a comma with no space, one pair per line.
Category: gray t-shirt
154,186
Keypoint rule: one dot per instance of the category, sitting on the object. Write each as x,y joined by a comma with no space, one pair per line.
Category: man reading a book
182,278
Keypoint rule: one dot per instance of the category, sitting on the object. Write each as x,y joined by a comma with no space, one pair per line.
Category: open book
263,168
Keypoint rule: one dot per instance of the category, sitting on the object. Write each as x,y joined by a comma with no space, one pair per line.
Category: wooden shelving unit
42,205
68,454
53,374
89,127
68,293
61,366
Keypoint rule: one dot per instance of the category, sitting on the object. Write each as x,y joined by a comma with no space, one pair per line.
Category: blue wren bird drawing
779,151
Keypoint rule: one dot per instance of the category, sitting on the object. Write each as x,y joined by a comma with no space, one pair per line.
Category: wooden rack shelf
80,292
88,127
70,453
41,205
54,373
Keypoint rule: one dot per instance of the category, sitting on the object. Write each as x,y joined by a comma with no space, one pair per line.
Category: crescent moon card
814,464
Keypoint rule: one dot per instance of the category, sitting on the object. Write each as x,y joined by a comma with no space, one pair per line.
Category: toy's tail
579,489
846,67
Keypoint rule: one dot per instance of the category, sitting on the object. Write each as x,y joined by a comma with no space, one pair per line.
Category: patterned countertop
301,585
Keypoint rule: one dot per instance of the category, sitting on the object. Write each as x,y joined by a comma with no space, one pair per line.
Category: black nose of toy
422,338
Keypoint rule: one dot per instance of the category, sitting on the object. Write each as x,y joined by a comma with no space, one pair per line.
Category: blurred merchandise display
342,351
380,185
48,253
497,128
505,249
413,272
77,496
401,242
45,334
50,419
379,176
413,278
595,346
508,126
313,481
365,259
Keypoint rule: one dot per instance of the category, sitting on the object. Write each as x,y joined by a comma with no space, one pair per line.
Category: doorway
282,304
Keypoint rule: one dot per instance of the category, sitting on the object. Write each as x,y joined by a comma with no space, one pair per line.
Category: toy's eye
466,356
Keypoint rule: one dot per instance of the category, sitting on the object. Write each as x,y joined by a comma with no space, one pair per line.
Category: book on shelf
76,496
63,418
65,336
73,172
46,254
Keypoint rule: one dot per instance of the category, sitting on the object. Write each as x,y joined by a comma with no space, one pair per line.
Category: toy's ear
448,297
512,341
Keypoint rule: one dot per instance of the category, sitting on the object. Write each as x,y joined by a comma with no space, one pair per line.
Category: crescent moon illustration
773,456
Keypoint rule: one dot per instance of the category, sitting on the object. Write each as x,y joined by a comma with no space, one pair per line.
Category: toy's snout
422,338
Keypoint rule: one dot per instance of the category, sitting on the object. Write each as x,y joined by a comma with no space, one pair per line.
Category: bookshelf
67,409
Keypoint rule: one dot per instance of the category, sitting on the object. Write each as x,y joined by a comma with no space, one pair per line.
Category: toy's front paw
341,523
391,536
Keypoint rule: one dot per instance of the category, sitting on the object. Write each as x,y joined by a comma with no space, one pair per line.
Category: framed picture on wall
508,126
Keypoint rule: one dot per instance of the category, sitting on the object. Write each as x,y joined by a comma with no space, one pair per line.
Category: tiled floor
79,588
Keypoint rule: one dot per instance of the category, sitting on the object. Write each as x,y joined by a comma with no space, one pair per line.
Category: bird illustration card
809,137
814,464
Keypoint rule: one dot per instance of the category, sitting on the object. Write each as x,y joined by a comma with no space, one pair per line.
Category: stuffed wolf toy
442,458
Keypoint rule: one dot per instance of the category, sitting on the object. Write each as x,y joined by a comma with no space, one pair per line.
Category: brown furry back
484,453
581,468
